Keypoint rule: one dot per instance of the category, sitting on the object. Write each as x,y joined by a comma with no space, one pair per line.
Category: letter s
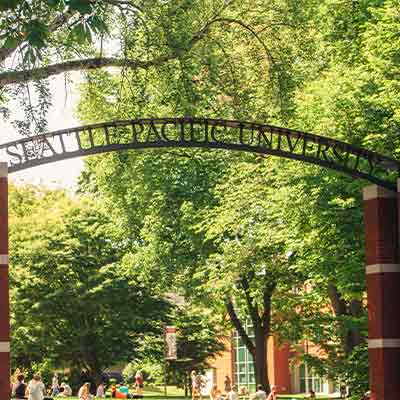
14,155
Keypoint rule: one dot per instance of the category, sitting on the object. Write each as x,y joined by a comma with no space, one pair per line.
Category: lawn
160,396
157,393
174,393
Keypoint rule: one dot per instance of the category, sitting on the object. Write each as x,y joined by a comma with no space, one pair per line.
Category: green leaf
29,56
81,33
97,24
8,5
53,3
82,6
11,42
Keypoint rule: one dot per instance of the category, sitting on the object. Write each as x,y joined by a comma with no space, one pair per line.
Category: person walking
227,384
36,389
215,393
55,385
273,395
197,383
233,393
19,388
260,394
139,383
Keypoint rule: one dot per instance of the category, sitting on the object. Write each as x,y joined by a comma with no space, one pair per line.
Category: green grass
301,396
157,393
160,396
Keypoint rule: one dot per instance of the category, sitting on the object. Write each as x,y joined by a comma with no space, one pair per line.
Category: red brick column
383,289
4,292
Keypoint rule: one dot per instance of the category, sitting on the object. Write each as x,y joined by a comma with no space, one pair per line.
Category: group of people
260,394
63,390
36,390
122,392
84,392
230,392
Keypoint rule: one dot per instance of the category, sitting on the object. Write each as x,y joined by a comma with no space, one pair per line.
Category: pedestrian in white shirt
55,385
66,390
233,393
36,389
274,393
260,394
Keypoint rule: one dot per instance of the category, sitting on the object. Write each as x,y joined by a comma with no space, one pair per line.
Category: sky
61,115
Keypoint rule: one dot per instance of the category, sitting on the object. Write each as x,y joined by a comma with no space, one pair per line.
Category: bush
152,372
357,373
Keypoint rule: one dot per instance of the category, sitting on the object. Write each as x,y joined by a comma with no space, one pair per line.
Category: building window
309,380
244,364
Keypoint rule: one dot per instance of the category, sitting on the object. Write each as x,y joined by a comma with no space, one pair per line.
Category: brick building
288,374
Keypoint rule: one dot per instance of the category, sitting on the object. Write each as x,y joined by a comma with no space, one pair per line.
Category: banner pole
165,378
170,351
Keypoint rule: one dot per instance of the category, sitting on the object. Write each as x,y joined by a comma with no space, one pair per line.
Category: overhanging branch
239,327
12,77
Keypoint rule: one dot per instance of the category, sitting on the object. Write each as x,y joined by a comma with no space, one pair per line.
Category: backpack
20,391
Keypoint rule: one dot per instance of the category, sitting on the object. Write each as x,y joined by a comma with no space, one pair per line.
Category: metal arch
201,133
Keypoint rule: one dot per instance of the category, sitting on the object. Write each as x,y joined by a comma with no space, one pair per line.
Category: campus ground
177,394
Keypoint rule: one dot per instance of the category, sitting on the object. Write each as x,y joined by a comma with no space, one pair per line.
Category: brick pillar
4,294
383,289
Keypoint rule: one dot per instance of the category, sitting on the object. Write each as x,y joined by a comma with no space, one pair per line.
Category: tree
32,30
249,265
75,301
196,347
335,86
350,97
141,38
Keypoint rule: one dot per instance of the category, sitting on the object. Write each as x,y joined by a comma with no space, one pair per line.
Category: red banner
170,343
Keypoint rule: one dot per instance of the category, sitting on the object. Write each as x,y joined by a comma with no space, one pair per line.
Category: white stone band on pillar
4,347
386,343
3,170
4,259
382,268
377,192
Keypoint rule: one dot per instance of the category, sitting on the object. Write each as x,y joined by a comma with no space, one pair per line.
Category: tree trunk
95,370
260,358
355,336
352,337
239,327
261,326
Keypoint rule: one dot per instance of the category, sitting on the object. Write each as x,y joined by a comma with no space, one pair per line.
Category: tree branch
253,308
338,304
207,27
11,77
239,327
266,323
341,308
